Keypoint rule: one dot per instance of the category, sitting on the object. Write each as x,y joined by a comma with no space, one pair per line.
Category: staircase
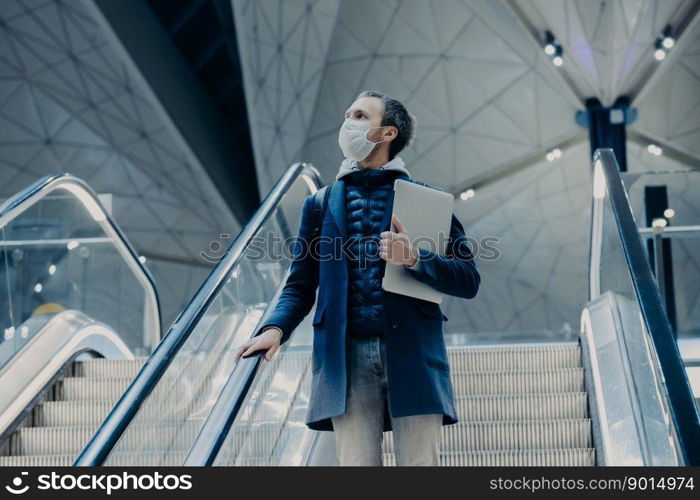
59,427
518,405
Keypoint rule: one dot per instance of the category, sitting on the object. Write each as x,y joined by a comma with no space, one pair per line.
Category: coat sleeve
299,292
454,273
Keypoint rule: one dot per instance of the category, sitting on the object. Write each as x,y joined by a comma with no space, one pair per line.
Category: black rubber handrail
682,404
110,431
217,426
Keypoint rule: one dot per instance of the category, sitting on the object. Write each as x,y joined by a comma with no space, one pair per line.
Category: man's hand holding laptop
395,246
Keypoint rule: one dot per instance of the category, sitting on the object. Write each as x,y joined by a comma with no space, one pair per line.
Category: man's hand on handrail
268,340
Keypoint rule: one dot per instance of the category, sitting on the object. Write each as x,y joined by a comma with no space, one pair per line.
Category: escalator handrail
110,431
219,422
682,404
27,197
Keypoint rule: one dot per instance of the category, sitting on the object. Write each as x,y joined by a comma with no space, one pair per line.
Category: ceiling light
660,54
659,223
654,150
52,269
72,244
38,287
553,49
665,40
142,259
554,154
669,213
465,195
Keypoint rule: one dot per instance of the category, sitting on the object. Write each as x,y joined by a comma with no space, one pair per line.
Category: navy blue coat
418,372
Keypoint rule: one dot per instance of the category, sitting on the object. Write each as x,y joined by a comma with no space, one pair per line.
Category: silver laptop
426,213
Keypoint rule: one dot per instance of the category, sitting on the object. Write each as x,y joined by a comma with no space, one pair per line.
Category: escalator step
515,382
514,357
483,407
576,457
72,413
77,413
463,436
64,440
91,389
522,406
37,461
511,435
498,458
519,382
109,368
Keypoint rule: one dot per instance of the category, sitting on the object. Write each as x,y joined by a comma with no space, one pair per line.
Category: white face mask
353,139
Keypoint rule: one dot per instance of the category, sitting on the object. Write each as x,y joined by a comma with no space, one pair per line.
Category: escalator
617,396
80,314
519,404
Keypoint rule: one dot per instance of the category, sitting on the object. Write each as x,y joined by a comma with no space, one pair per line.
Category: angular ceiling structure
607,44
71,102
489,105
669,106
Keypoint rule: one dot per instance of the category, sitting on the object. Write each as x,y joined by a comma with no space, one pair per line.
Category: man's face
370,109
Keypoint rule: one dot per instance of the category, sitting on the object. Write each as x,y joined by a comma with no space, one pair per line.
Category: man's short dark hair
395,114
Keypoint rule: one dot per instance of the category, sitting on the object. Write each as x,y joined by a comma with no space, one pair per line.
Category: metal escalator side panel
631,418
63,337
640,327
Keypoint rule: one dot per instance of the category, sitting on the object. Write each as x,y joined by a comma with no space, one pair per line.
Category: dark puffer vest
366,193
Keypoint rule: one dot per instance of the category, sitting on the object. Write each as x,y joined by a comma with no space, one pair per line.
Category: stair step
537,406
484,407
65,440
109,368
518,382
511,435
72,413
124,459
576,457
462,436
38,460
514,357
465,384
79,413
91,389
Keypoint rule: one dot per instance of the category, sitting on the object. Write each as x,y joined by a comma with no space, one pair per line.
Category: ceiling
70,101
489,104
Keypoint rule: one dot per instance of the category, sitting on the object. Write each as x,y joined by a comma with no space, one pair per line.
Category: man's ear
390,133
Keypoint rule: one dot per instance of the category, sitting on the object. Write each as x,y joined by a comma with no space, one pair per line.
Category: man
379,360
